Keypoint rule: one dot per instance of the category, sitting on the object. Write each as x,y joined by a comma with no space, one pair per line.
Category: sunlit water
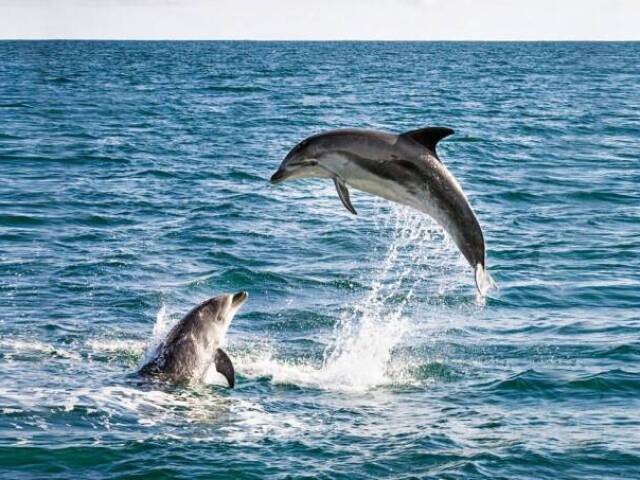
133,185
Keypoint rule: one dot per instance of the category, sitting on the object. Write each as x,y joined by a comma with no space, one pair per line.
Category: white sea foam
359,357
20,346
116,345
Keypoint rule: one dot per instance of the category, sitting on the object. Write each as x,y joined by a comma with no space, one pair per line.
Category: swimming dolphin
402,168
193,344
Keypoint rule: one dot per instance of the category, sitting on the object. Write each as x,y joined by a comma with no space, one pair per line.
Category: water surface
133,185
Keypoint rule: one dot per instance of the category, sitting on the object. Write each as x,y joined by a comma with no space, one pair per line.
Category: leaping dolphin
402,168
193,344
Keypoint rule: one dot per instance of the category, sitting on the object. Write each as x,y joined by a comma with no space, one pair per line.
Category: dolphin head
303,161
215,315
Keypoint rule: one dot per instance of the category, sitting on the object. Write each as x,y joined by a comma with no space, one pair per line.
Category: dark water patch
78,136
525,383
221,208
75,238
87,269
8,136
102,221
436,371
607,197
65,460
584,327
618,381
63,159
627,352
238,276
58,80
153,173
543,349
293,320
16,236
201,237
16,105
613,384
247,174
15,220
230,259
234,89
467,139
250,199
548,463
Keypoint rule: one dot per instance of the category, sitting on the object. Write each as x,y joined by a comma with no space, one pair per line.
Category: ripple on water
134,184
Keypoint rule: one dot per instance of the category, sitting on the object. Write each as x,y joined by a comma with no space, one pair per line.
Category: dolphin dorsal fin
343,193
429,137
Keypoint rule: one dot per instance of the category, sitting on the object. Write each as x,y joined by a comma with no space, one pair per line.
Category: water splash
360,355
160,328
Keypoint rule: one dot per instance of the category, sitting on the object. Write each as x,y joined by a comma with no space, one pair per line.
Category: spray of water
160,329
365,337
420,265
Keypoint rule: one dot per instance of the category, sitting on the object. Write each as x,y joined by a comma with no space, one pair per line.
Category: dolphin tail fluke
484,282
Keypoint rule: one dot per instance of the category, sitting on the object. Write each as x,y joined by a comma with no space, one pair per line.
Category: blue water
133,184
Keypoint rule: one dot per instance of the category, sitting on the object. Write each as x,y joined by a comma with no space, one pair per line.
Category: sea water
134,184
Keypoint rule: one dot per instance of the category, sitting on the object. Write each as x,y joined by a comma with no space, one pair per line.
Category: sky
321,19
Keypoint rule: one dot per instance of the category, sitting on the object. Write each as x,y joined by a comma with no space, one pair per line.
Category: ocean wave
234,89
613,384
626,352
30,349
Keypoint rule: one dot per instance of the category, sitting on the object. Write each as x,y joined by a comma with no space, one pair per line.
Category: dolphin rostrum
402,168
193,344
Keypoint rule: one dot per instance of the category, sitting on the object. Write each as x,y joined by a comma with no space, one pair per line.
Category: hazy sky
323,19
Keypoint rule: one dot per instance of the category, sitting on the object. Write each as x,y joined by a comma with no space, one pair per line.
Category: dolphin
193,344
404,168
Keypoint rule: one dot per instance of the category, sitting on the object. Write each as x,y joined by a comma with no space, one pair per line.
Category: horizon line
395,40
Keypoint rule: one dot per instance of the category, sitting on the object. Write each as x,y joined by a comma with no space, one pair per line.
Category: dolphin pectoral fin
343,193
429,137
224,366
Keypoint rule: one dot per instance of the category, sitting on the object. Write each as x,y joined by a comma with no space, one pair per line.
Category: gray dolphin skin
193,344
403,168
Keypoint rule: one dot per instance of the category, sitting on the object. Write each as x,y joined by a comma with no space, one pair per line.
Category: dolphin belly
438,196
412,194
365,180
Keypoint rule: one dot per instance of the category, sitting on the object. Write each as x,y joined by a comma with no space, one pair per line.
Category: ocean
134,184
